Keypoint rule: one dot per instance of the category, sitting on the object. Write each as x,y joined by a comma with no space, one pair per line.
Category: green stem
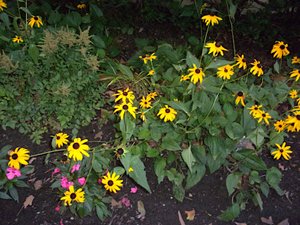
90,169
231,29
204,41
45,153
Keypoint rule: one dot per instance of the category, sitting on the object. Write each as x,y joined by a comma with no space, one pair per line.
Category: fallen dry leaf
116,204
28,201
190,215
267,220
284,222
281,167
98,135
240,223
38,184
181,221
141,210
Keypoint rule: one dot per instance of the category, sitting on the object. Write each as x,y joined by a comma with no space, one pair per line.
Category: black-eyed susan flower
17,157
143,116
295,73
211,19
282,150
279,125
120,152
215,48
262,116
151,72
147,57
240,98
124,96
71,196
295,60
2,5
145,102
184,78
255,109
35,20
196,74
77,149
167,113
125,107
17,39
81,6
112,182
225,72
293,122
152,95
256,68
280,49
61,139
293,94
241,61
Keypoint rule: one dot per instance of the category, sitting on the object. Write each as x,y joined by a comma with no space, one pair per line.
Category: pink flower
76,167
11,173
99,181
133,190
125,201
57,208
55,171
61,222
81,180
65,183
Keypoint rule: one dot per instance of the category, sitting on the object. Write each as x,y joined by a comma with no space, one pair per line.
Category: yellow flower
283,150
256,68
293,122
130,170
262,116
167,113
225,72
293,94
81,6
17,157
73,196
147,58
151,72
196,74
35,20
152,95
211,19
61,139
78,148
125,107
241,61
255,109
2,5
215,48
280,49
184,78
295,73
112,182
145,102
120,152
279,125
17,39
295,60
125,96
240,98
143,116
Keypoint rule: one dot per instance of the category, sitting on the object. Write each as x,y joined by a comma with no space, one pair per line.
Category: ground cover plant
191,113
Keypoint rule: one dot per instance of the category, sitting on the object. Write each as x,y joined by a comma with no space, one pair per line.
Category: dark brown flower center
36,18
282,47
125,107
73,196
64,158
279,125
120,151
125,93
243,60
240,94
218,45
255,108
298,117
259,66
225,70
110,183
76,145
197,70
57,137
167,110
281,150
263,115
14,156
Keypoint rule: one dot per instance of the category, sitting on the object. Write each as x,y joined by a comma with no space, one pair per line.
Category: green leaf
257,137
138,174
257,199
276,137
249,159
232,9
98,41
119,170
100,213
265,189
5,19
183,106
125,70
230,213
54,17
3,195
25,10
178,192
14,193
195,177
33,52
96,166
170,143
273,177
232,181
21,183
216,63
73,19
127,127
95,10
4,150
276,67
188,158
191,59
159,169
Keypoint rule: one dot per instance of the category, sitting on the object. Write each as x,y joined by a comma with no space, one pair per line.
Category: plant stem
231,29
45,153
204,41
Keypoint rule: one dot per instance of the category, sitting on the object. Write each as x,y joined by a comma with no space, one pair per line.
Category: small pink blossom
65,183
57,208
99,181
11,173
133,190
61,222
55,171
76,167
125,201
81,180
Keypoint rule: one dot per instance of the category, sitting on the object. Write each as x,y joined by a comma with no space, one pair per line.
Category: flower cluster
17,157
